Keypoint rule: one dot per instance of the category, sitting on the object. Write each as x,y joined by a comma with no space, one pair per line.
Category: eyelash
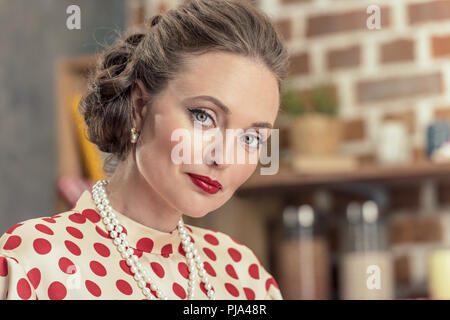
195,111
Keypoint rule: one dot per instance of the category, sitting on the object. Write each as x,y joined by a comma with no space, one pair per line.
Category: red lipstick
205,183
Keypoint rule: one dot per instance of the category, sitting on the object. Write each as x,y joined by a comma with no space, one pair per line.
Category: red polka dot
179,290
43,228
189,228
55,217
77,218
183,269
137,252
93,288
145,244
209,269
50,220
72,247
91,215
211,239
57,291
124,230
102,233
23,289
102,249
249,293
234,254
10,230
253,270
67,266
34,275
271,281
202,287
12,242
157,269
167,250
97,268
124,287
3,267
210,254
231,272
232,289
181,250
42,246
74,232
125,267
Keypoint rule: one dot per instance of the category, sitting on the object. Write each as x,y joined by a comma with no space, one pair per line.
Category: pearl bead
146,291
140,274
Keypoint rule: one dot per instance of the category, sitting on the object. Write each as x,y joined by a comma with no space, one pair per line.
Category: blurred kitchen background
360,207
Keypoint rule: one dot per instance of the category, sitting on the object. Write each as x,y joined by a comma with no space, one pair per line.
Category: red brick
440,45
285,28
399,87
429,11
407,118
353,129
344,58
299,64
397,50
442,113
342,22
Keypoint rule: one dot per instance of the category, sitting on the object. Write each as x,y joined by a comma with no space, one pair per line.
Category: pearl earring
134,135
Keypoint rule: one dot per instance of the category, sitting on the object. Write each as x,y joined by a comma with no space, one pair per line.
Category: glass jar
366,264
303,255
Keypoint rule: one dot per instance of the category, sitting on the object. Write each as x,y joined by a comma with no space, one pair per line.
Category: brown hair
158,52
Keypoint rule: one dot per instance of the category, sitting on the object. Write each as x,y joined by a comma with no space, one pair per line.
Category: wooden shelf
367,174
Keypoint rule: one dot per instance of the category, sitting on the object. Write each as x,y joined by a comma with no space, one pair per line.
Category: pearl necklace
140,274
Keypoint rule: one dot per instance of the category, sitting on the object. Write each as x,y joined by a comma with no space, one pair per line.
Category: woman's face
248,89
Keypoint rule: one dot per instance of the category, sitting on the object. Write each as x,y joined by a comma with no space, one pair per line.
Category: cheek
239,173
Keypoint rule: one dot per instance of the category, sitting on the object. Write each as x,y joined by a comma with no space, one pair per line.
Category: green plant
293,103
320,99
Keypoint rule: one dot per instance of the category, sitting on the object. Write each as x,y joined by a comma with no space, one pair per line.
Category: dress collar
140,237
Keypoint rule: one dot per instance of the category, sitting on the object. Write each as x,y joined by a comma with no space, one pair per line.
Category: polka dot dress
70,256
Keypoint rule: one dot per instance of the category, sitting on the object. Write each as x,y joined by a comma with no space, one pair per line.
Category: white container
393,145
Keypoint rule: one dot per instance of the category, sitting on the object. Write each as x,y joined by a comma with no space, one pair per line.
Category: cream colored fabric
70,256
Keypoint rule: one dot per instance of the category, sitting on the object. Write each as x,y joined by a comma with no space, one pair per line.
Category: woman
212,65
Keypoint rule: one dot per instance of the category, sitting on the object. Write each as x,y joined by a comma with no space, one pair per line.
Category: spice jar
303,256
366,267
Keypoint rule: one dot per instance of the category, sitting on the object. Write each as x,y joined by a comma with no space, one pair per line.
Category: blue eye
201,116
256,139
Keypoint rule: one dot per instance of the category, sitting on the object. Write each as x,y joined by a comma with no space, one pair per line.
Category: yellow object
439,274
92,157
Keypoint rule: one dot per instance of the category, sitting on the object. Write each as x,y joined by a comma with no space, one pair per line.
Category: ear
139,99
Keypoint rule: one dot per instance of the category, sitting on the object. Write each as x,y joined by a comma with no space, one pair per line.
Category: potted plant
314,128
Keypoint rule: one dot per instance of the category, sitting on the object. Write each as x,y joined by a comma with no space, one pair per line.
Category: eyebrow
225,109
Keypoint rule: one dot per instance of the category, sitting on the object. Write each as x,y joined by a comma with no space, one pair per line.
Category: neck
130,194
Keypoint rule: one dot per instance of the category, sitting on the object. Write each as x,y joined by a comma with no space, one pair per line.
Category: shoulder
238,260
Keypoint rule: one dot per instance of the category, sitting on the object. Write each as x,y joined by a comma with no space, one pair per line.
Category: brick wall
400,71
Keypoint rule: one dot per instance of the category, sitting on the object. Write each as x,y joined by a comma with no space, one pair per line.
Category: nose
215,153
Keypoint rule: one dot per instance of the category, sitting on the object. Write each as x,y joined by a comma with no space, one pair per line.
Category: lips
205,183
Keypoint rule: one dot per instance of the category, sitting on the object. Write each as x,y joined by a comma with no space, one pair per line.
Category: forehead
249,89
